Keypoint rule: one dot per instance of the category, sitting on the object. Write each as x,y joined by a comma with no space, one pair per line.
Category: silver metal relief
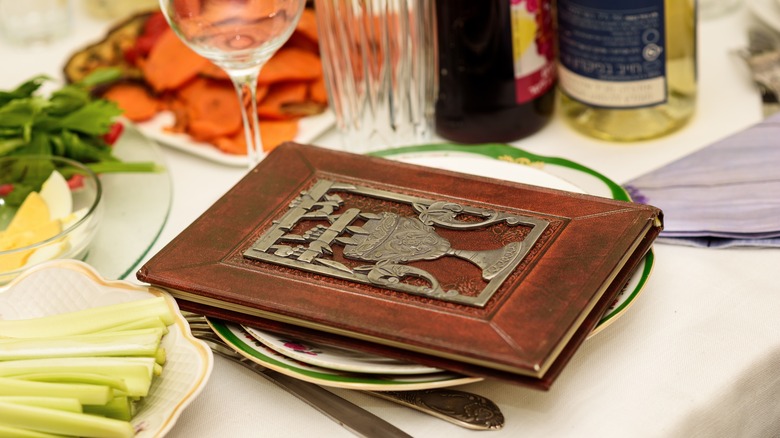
387,241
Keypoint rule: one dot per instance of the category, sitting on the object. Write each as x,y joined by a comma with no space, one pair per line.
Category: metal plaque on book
377,241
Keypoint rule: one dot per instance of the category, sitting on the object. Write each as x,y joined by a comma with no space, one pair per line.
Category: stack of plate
337,367
332,366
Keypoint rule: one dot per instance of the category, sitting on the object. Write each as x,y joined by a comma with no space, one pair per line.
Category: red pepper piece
76,181
113,133
6,189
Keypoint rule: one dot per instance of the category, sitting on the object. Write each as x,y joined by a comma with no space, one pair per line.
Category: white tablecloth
698,354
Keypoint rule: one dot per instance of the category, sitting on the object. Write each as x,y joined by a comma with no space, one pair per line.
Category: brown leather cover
525,333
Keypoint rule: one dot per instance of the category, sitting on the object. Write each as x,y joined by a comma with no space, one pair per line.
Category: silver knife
462,408
352,417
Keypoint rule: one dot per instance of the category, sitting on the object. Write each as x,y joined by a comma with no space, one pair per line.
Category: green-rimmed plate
492,160
503,161
243,342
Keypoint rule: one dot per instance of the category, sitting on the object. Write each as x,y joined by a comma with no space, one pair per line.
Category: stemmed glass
239,36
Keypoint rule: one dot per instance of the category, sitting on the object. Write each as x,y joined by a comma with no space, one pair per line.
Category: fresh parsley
69,123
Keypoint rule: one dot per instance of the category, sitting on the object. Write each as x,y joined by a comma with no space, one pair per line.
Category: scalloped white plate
68,285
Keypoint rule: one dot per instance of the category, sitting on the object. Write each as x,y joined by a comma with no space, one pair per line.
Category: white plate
490,168
335,358
256,351
768,11
309,128
67,285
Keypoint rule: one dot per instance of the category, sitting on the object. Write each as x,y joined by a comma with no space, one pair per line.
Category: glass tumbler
379,66
29,22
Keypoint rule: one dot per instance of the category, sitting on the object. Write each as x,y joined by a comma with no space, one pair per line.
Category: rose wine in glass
239,36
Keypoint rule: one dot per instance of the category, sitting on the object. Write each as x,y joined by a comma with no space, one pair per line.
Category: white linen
697,355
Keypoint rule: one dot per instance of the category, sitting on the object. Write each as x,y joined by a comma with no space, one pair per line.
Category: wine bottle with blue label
627,70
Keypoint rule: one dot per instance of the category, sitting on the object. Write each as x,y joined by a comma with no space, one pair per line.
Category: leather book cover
471,274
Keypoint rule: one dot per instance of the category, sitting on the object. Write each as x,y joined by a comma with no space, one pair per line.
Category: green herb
69,123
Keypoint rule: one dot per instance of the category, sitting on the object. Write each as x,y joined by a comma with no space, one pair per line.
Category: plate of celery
83,356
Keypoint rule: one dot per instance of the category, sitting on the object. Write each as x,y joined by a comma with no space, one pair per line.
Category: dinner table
697,354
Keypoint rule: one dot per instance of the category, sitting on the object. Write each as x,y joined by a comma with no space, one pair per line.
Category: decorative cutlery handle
462,408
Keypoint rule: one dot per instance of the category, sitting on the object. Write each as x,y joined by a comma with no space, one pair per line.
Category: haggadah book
470,274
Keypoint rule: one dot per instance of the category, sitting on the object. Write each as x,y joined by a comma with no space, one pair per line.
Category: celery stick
114,366
25,433
116,383
137,372
61,403
120,408
86,394
160,356
140,323
142,342
61,422
87,320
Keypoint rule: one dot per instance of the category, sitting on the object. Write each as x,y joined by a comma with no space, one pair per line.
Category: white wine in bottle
627,70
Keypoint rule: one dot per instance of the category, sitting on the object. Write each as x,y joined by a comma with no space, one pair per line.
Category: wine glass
239,36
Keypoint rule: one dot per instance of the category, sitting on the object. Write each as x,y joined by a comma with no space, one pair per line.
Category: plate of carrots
184,101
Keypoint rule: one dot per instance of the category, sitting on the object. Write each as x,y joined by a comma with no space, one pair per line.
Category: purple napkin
727,194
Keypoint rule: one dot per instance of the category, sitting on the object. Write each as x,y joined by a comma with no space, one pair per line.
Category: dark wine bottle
496,69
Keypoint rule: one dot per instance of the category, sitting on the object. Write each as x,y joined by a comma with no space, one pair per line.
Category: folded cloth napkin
726,194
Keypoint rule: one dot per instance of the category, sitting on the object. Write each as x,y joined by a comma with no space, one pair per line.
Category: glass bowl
45,215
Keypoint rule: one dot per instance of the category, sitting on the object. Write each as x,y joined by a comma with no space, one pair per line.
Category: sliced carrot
191,89
279,95
171,63
134,100
213,109
318,92
291,64
277,132
213,71
272,134
235,144
307,25
299,41
288,64
185,8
